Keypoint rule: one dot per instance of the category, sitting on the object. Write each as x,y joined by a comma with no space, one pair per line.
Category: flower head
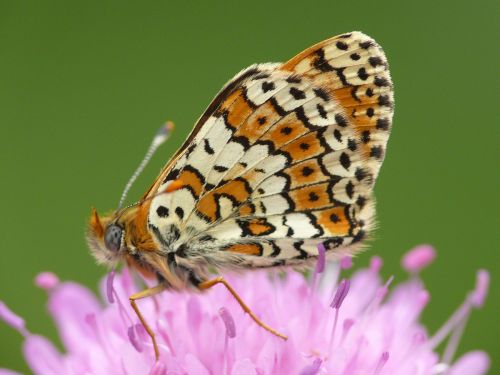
361,325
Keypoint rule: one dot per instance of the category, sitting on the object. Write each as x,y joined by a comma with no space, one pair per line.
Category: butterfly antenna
161,136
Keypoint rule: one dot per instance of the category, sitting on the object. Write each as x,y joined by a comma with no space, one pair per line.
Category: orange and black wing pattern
285,157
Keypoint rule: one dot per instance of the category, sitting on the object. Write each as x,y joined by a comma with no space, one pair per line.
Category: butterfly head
107,237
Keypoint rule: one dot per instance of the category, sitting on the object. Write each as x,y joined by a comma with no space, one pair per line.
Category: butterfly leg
220,280
147,293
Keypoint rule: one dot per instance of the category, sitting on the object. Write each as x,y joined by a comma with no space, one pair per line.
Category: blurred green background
84,86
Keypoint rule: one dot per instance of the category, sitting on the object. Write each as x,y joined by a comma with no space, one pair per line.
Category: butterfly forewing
284,158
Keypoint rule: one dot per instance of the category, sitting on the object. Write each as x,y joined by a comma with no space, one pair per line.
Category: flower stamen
346,327
339,297
381,362
376,264
230,334
313,368
455,325
13,320
320,267
418,258
109,286
134,340
46,280
346,262
228,322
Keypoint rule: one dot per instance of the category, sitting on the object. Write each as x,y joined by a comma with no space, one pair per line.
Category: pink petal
346,262
42,357
159,368
471,363
134,340
313,368
481,290
418,258
228,322
320,263
192,365
244,367
46,280
364,285
376,263
407,301
12,319
69,305
4,371
109,286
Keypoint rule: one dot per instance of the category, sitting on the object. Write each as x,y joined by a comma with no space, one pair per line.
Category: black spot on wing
267,86
209,150
321,111
162,211
349,189
340,120
302,253
377,152
220,168
293,79
180,212
321,93
307,171
362,74
342,46
338,135
366,45
345,160
375,61
320,63
297,94
382,124
381,82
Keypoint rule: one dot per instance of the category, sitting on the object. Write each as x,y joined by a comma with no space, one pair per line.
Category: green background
84,86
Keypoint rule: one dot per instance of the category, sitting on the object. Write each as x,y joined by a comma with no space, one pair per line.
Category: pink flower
361,325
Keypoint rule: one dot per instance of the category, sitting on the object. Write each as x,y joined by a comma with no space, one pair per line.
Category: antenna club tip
169,125
163,133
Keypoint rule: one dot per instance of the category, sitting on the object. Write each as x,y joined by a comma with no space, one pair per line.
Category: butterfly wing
284,158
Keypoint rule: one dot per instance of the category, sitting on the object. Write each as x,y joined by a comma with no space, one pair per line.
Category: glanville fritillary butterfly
283,160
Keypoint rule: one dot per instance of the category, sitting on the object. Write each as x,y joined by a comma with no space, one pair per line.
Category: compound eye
113,237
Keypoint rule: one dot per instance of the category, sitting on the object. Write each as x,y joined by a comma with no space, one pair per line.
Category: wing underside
284,158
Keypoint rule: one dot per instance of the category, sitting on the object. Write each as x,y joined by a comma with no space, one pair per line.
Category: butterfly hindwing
284,158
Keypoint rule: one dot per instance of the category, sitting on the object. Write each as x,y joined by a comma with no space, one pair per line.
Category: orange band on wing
174,185
247,249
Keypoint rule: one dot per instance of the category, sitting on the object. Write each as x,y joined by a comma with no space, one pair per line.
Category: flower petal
46,280
471,363
244,367
418,258
481,290
42,356
69,305
197,333
4,371
192,365
12,319
313,368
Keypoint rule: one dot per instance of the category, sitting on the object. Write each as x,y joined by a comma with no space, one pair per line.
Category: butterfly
284,159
